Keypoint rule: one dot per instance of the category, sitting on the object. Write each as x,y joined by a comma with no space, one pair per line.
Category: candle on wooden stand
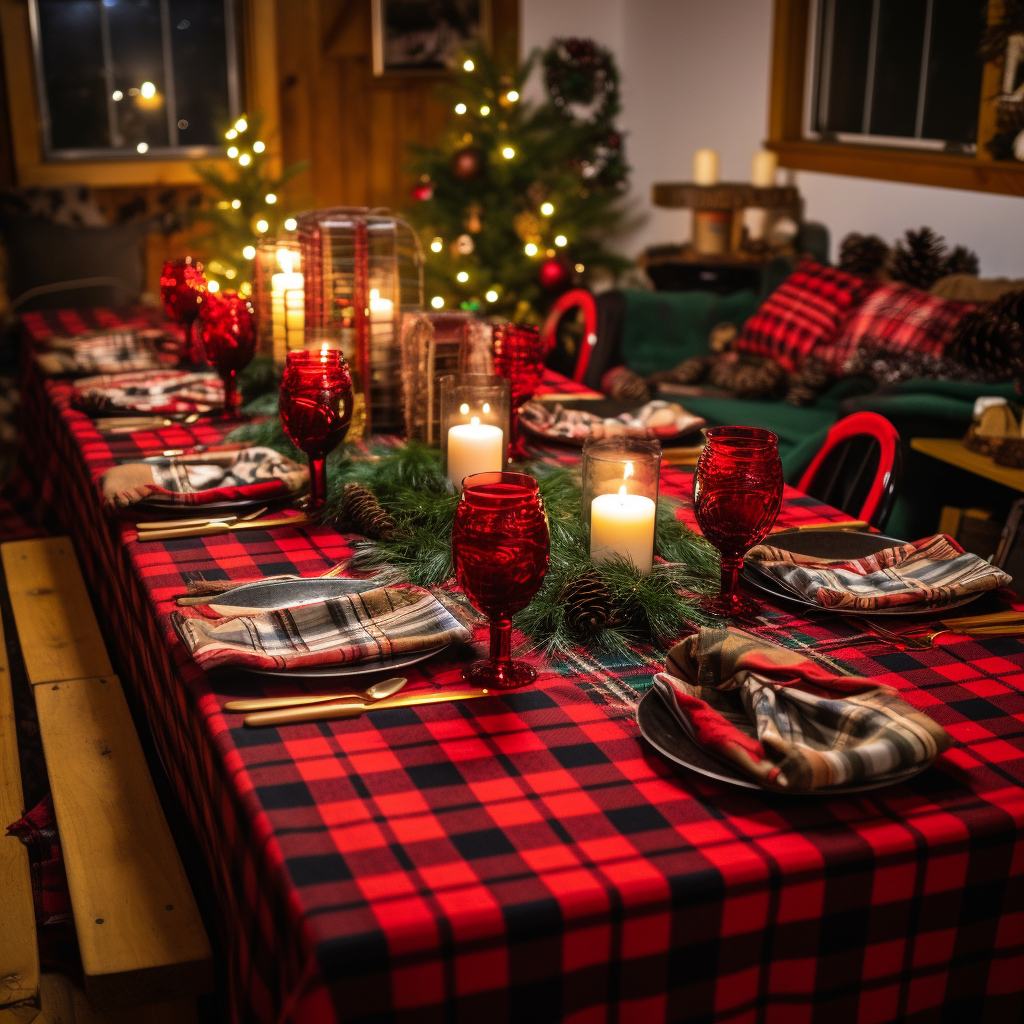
474,447
705,167
622,525
763,168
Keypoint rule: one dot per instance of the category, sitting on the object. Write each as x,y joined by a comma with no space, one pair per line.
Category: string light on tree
561,241
270,198
232,151
231,134
460,108
436,245
485,110
508,152
512,96
462,277
491,296
245,159
262,226
249,252
258,147
530,249
437,302
468,65
291,224
547,209
241,125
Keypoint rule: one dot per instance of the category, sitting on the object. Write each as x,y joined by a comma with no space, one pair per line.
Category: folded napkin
922,572
787,721
657,419
148,391
341,631
109,353
256,474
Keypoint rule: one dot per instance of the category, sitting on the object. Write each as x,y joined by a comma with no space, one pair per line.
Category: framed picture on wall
423,37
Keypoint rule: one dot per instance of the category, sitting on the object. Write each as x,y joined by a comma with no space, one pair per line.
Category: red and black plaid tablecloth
525,857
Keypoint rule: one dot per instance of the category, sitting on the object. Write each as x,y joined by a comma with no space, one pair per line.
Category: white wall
694,74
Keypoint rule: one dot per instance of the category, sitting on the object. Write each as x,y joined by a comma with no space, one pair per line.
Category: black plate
666,735
837,544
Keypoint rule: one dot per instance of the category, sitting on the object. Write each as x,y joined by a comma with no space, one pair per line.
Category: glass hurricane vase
500,547
316,409
737,494
519,357
228,328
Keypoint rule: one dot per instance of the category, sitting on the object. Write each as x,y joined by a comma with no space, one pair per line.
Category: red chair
570,300
858,468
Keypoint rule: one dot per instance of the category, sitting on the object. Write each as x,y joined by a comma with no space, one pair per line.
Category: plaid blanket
659,420
786,720
357,627
173,391
252,473
920,572
109,352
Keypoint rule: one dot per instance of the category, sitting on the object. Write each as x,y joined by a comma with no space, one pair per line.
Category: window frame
791,83
32,168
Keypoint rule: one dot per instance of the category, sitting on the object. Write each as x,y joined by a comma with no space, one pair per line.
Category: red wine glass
229,339
316,409
737,494
182,290
518,355
500,546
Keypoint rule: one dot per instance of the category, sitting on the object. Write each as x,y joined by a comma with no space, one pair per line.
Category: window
897,72
134,78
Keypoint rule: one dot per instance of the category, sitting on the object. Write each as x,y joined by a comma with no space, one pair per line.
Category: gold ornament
527,227
473,223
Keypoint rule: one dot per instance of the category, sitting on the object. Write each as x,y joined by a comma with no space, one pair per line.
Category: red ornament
423,191
467,163
554,273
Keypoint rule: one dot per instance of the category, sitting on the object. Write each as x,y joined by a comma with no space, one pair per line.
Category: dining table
526,856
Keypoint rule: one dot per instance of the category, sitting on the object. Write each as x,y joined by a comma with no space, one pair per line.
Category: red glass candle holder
182,290
737,494
229,339
500,547
316,409
518,356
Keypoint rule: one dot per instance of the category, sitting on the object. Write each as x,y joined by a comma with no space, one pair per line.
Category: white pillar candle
381,310
623,524
763,168
474,447
705,167
287,305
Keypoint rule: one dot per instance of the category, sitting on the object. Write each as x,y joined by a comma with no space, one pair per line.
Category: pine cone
689,371
362,511
920,260
862,254
992,337
588,605
962,261
625,385
808,382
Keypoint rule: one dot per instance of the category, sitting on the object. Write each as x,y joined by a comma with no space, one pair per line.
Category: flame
475,421
286,260
323,353
622,491
464,409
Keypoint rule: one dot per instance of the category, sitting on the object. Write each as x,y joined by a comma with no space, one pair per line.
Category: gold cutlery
221,526
322,712
181,524
856,525
137,424
379,691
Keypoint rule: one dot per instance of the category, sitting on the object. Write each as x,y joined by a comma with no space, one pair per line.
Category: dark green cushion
661,329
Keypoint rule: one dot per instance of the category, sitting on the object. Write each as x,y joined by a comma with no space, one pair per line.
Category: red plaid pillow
897,320
807,311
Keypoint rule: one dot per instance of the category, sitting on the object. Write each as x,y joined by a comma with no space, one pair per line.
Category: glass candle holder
182,290
316,409
519,356
474,425
228,328
620,498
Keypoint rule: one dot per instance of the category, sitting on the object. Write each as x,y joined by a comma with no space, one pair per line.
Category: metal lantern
363,269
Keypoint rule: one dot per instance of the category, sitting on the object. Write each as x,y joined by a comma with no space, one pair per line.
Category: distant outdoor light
530,249
231,134
436,245
212,286
143,147
258,147
232,151
437,302
468,66
261,226
118,95
561,240
462,276
508,152
291,224
236,204
512,96
147,90
245,159
491,296
460,108
270,198
241,124
249,252
485,110
547,209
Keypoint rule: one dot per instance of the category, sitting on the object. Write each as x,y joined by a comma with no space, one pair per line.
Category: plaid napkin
341,631
109,352
661,420
147,391
787,721
930,571
250,474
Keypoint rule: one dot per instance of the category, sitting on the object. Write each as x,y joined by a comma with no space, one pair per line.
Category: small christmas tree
242,210
516,202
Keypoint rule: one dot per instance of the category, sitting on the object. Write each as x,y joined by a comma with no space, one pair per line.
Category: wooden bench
140,934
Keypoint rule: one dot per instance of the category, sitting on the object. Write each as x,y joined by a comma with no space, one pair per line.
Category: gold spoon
385,688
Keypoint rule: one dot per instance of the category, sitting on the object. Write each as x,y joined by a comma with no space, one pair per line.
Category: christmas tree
241,210
516,202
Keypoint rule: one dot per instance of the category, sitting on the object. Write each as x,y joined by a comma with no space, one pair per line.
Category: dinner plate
210,509
664,733
838,544
609,408
291,593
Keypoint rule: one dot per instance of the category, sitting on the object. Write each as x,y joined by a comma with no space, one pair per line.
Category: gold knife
320,712
851,524
183,524
211,529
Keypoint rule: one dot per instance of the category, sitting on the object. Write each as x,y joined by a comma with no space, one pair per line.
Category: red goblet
316,409
500,547
229,338
737,494
519,356
182,290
